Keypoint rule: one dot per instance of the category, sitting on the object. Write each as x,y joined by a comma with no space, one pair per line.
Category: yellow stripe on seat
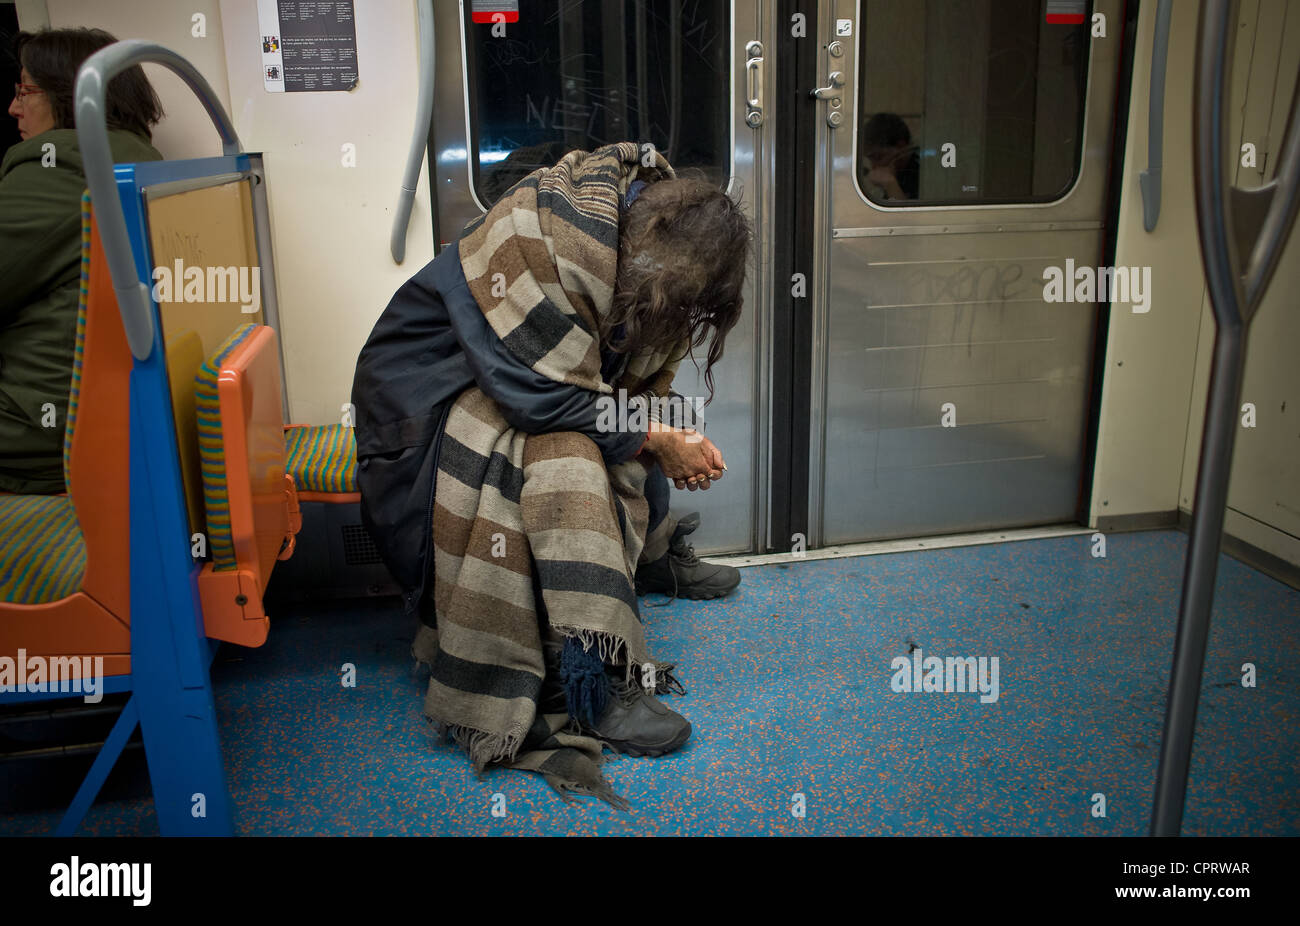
212,460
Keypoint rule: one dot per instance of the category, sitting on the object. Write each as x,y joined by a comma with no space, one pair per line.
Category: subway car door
963,150
519,84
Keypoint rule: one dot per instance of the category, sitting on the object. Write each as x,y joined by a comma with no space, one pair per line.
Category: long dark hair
683,253
52,57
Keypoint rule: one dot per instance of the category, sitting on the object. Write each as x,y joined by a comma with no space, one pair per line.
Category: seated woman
41,181
518,518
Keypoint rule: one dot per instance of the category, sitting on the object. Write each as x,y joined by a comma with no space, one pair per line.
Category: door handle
831,94
754,85
833,91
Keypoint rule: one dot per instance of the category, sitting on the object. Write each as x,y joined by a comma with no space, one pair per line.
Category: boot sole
651,752
700,595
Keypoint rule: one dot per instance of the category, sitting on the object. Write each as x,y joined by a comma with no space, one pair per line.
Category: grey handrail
1149,179
92,133
419,136
1234,296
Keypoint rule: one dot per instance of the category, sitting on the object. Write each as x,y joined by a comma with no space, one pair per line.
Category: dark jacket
431,343
41,181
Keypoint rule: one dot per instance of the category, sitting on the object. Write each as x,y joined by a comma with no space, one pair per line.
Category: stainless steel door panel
919,306
921,322
457,204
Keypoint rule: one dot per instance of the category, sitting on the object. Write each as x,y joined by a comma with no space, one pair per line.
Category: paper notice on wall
307,45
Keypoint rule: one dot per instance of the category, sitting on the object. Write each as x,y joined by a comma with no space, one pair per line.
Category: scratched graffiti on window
585,74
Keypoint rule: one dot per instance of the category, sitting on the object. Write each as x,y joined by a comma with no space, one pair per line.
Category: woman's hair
683,252
52,58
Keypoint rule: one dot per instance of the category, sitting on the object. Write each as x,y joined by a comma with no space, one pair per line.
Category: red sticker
1065,12
494,11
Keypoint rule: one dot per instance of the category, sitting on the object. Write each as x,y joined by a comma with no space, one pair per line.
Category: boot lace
684,553
666,682
626,692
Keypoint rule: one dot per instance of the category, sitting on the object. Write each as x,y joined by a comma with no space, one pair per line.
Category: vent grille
358,548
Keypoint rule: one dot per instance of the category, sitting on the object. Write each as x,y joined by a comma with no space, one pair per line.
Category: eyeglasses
22,90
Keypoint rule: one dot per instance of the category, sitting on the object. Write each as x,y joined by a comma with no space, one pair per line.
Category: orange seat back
99,470
263,503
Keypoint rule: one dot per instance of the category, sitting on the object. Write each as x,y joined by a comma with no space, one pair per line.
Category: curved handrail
1234,302
1284,190
92,132
1149,179
420,136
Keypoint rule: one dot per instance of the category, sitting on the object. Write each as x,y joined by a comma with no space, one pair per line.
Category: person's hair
52,57
683,252
885,130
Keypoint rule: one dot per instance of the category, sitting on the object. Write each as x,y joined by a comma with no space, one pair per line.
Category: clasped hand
686,457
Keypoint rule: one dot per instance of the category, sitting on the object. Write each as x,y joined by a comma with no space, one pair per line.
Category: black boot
635,722
632,720
682,574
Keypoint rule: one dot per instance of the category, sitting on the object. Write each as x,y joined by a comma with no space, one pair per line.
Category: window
587,74
970,102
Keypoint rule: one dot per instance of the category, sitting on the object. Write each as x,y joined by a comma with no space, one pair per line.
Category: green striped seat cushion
42,556
322,459
212,460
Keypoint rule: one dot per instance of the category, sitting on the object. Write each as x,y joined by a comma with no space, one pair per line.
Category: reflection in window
969,101
586,74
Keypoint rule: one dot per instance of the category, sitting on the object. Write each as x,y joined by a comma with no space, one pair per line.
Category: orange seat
242,437
94,620
264,518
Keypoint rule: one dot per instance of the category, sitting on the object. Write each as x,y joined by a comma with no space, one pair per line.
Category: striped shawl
534,537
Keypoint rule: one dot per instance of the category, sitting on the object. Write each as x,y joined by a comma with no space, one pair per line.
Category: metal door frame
752,167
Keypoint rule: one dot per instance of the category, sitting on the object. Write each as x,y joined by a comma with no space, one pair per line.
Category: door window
969,102
587,74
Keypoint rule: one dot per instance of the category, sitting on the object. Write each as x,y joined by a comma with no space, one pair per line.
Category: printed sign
307,45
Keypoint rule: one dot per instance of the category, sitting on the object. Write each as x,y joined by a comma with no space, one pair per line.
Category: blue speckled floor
790,693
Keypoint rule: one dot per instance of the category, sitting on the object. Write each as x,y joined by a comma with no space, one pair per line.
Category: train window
970,102
587,74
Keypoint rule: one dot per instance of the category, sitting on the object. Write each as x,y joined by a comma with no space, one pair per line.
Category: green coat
40,273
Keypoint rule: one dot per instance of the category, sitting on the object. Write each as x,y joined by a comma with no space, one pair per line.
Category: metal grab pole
1234,301
92,133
